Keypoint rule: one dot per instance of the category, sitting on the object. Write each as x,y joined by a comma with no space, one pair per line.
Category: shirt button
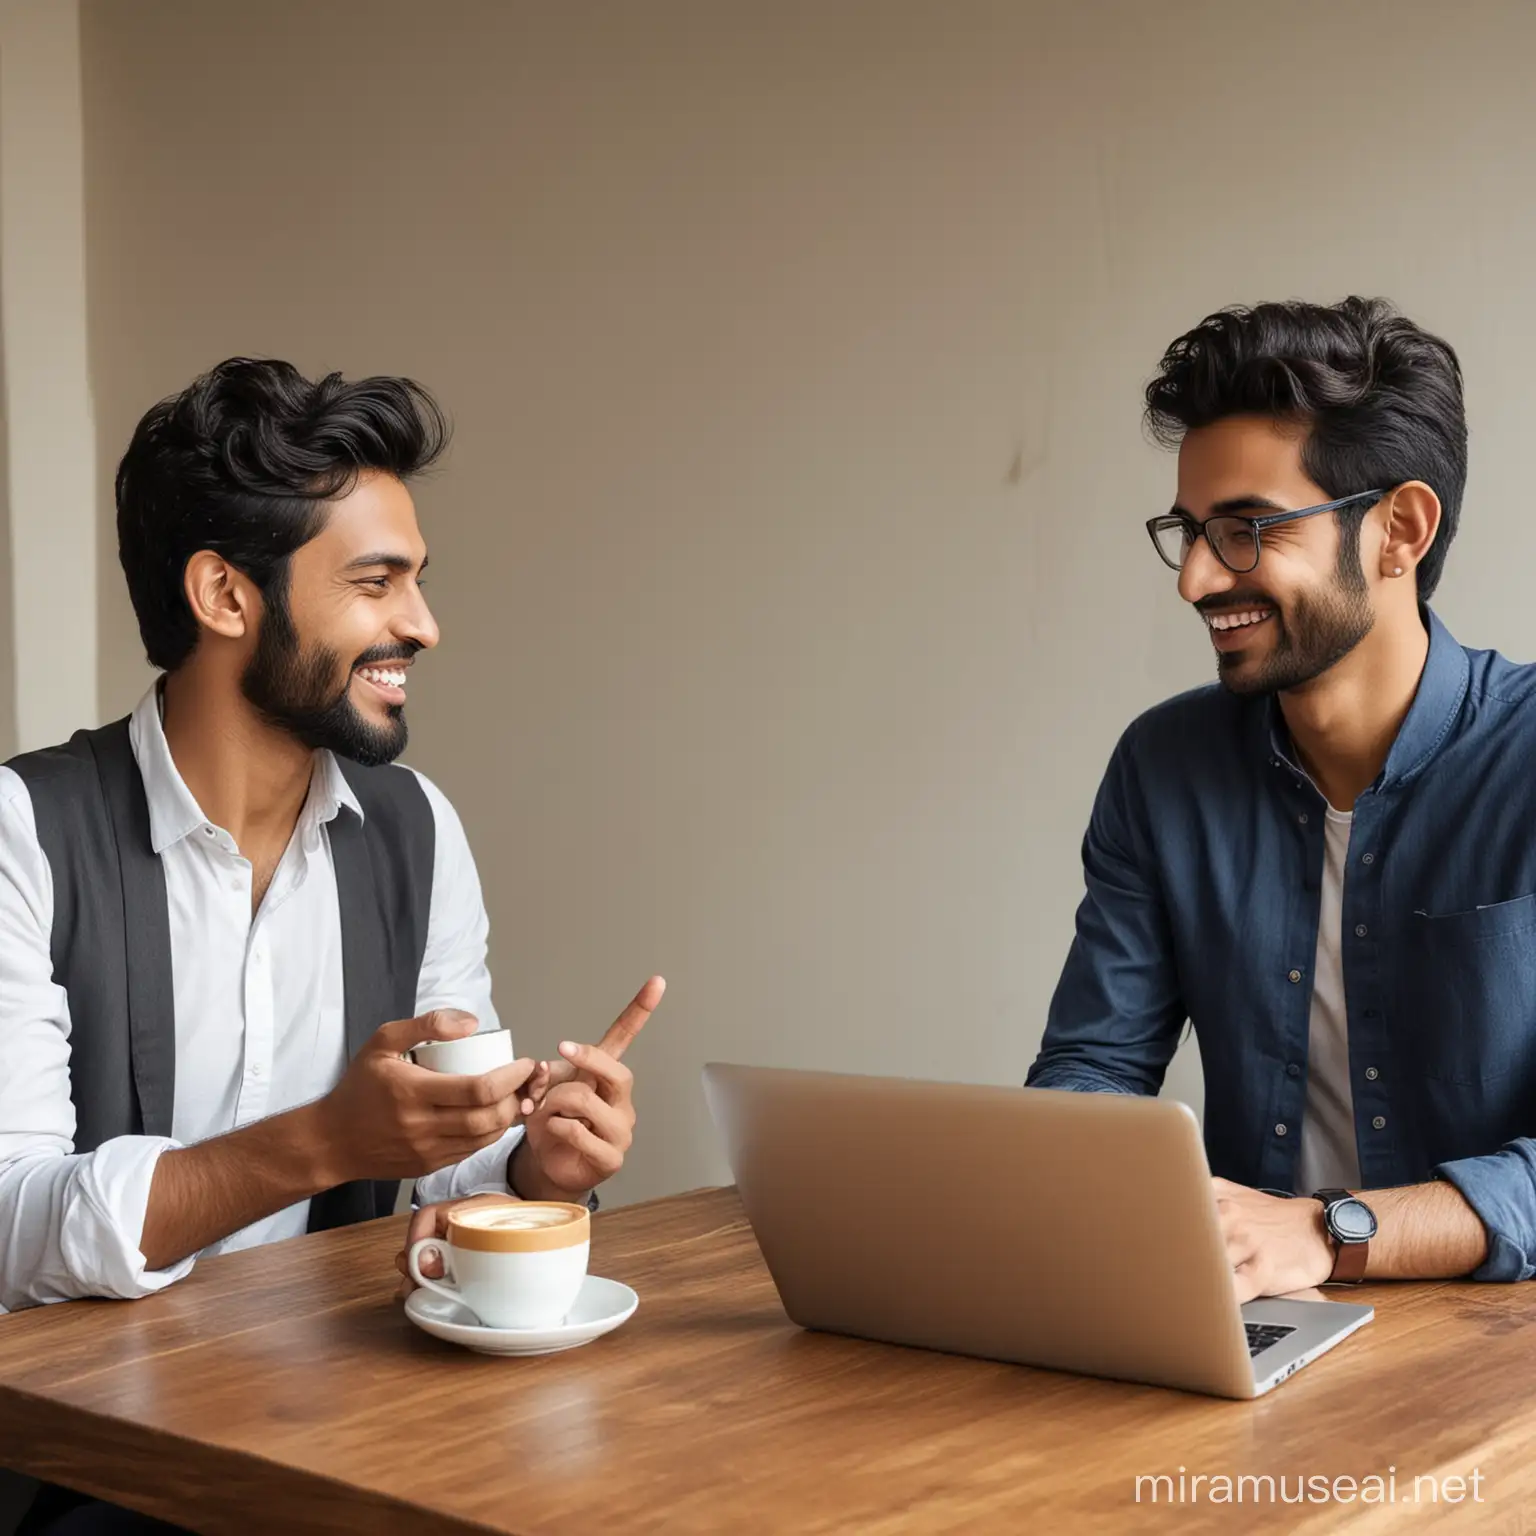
1293,1070
1371,1074
1280,1130
255,1069
1360,930
1302,818
210,831
1293,976
1380,1122
1367,858
1373,1013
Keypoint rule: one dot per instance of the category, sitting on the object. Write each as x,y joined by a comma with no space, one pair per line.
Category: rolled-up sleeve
1501,1189
70,1223
1114,1020
481,1173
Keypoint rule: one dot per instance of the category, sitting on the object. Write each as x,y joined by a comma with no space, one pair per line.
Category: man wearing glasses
1326,864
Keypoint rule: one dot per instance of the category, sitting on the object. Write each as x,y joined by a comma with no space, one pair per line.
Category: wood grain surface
283,1389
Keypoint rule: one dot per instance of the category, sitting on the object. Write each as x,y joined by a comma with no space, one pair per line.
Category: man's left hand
580,1113
1275,1245
432,1221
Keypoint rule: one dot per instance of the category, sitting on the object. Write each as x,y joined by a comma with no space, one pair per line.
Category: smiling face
1307,604
337,637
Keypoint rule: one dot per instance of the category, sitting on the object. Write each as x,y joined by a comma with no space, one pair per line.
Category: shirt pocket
1469,994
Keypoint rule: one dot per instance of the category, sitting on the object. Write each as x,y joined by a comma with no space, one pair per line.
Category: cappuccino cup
467,1057
515,1265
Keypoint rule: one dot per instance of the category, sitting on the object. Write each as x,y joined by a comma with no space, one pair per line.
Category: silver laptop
1076,1231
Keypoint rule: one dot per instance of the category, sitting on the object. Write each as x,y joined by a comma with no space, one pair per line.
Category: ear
221,598
1411,514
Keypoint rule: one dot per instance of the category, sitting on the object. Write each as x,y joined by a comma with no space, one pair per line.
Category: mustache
381,653
1227,601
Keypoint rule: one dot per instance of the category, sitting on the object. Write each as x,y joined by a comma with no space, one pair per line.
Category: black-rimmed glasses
1234,539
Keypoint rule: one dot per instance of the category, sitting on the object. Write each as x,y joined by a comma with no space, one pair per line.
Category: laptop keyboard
1262,1335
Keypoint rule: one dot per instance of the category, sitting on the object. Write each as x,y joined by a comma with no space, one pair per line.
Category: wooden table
283,1390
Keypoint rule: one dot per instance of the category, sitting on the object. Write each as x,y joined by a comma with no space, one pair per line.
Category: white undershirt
1329,1157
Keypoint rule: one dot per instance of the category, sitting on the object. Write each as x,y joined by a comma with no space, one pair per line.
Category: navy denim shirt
1204,862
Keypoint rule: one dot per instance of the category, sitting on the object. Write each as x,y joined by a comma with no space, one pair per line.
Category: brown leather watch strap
1348,1263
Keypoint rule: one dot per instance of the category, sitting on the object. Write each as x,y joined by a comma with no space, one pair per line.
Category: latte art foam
515,1218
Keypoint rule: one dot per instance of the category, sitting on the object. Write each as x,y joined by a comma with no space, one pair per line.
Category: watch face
1352,1221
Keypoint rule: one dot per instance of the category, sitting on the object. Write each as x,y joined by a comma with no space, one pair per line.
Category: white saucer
600,1307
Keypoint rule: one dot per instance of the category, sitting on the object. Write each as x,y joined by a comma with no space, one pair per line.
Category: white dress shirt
259,1022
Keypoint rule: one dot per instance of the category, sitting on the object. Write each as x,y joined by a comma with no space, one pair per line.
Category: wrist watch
1351,1224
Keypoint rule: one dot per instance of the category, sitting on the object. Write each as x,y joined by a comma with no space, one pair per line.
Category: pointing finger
613,1079
622,1031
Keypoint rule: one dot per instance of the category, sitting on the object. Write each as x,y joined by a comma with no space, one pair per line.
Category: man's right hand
388,1118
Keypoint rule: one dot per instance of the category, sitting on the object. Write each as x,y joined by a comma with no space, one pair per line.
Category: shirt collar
1442,688
335,792
1430,718
173,810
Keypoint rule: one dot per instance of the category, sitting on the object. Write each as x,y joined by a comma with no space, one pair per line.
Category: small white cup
514,1265
468,1057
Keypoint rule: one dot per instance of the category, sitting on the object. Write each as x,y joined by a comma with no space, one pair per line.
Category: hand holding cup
390,1118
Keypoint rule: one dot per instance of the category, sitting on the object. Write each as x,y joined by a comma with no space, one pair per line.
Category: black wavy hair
1380,398
243,462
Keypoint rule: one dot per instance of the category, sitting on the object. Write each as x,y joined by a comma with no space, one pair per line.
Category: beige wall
8,743
789,559
48,612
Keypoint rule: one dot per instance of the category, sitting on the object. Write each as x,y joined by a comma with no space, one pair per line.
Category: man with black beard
1324,864
224,920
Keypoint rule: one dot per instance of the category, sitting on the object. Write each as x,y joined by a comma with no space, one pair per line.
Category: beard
295,689
1320,629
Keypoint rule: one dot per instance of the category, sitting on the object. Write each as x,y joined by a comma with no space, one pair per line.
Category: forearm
1114,1019
1424,1232
1104,1034
203,1193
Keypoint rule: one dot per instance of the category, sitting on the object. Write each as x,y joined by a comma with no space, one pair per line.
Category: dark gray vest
112,936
